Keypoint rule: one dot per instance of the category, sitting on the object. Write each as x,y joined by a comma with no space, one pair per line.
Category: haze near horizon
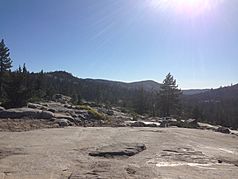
126,40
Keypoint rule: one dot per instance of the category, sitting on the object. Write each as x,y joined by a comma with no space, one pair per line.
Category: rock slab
119,150
18,113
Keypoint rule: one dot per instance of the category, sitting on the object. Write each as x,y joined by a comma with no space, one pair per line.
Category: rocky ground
75,153
55,114
120,145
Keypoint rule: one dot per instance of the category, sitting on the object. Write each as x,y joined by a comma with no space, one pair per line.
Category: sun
192,8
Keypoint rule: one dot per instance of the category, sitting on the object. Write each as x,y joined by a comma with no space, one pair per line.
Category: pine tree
5,60
169,96
5,66
17,90
24,69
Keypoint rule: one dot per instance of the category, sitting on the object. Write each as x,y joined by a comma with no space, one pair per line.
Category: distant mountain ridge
228,92
147,85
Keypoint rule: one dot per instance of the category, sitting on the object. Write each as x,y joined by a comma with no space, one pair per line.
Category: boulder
224,130
168,122
63,116
68,106
44,104
164,124
191,123
138,124
17,113
63,122
83,116
119,150
46,115
51,110
207,126
61,98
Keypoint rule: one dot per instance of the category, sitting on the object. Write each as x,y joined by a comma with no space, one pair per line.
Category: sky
126,40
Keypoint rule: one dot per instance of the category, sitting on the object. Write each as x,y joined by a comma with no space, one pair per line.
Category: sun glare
192,8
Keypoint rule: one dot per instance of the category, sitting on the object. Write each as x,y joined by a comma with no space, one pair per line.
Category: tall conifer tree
5,66
169,96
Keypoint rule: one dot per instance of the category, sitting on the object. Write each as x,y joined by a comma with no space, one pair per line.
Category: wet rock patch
183,156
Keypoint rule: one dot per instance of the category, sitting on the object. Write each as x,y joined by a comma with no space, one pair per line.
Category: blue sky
125,40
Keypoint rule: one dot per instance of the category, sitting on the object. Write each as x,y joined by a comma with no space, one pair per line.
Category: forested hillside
218,106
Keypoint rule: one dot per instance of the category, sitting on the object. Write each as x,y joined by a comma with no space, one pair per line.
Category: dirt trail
171,153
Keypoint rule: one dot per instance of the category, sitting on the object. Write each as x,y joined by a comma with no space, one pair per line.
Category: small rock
219,161
110,112
63,122
130,171
191,123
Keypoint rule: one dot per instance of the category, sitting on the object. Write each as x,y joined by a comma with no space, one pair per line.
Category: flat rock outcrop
142,124
17,113
119,150
63,153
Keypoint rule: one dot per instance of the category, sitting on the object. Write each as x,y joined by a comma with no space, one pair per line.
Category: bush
94,113
84,107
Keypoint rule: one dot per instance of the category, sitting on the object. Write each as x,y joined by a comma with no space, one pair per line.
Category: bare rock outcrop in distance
17,113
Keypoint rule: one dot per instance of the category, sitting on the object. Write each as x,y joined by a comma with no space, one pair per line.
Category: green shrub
95,114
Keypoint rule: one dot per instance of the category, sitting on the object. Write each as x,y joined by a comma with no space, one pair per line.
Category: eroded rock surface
182,156
119,150
170,153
